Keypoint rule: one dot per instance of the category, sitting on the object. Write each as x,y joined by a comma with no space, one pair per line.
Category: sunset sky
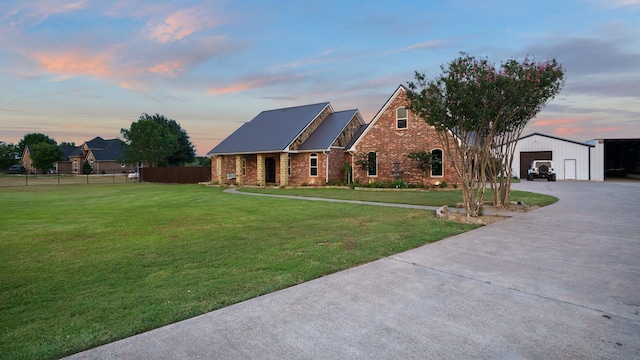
77,69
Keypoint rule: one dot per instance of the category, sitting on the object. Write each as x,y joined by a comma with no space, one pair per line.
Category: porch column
260,170
219,175
239,176
284,169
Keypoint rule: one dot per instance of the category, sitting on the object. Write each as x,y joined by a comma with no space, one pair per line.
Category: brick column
219,162
260,170
239,176
284,169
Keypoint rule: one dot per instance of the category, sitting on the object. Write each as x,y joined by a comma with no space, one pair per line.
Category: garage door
526,157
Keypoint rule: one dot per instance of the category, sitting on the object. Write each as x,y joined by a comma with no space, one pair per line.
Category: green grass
413,197
84,265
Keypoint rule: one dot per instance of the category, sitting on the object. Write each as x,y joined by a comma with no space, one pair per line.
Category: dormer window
401,118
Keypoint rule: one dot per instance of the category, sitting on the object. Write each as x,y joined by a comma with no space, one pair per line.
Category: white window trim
406,118
312,156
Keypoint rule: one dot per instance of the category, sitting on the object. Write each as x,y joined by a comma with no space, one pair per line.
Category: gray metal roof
328,131
271,130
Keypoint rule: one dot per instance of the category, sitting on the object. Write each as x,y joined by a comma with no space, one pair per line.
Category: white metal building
595,160
571,159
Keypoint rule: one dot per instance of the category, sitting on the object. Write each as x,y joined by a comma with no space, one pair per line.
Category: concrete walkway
561,282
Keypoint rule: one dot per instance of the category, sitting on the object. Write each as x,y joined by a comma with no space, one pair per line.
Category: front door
270,170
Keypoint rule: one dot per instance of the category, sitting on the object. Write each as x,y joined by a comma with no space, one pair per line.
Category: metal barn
571,159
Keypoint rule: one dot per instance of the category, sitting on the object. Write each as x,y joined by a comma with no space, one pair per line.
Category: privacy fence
176,175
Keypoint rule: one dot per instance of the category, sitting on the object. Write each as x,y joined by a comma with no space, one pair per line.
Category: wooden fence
176,175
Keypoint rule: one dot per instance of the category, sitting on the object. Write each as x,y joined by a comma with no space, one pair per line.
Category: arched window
313,164
436,163
372,164
401,118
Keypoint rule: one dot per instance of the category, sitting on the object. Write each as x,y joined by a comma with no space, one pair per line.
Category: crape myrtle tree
157,141
485,108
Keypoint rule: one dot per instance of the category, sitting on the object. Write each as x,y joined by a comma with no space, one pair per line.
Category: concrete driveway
562,282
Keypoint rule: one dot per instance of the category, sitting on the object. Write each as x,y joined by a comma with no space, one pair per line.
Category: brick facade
393,145
293,168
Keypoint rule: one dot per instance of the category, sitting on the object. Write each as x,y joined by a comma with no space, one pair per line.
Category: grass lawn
84,265
448,197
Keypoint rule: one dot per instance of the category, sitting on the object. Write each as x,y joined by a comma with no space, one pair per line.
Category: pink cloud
236,88
168,68
179,25
75,64
556,122
568,131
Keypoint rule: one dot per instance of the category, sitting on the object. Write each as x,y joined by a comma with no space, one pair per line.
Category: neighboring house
314,145
104,156
291,146
388,139
26,161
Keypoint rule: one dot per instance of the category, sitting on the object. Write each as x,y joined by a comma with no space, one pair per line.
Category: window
436,162
289,166
75,166
313,164
401,118
372,164
244,166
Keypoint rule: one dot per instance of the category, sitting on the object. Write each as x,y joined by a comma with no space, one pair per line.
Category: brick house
291,146
388,139
104,156
314,145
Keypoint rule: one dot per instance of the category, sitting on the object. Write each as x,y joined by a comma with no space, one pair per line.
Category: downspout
326,168
589,149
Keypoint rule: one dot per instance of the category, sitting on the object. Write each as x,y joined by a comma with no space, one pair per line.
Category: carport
621,158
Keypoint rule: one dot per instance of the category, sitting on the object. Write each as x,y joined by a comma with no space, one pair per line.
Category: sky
77,69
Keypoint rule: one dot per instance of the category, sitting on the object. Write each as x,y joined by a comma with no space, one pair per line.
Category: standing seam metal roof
271,130
328,131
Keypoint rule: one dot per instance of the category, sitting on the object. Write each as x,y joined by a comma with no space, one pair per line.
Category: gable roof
270,131
327,133
68,151
362,134
106,150
556,138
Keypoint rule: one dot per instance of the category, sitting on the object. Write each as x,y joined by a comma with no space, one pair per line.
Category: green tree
9,155
44,155
86,168
484,108
423,160
149,142
185,153
34,138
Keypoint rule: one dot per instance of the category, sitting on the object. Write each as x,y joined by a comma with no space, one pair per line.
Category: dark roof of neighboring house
107,150
271,130
327,133
556,138
68,151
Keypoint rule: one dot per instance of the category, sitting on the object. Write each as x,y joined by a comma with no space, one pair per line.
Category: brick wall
393,145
